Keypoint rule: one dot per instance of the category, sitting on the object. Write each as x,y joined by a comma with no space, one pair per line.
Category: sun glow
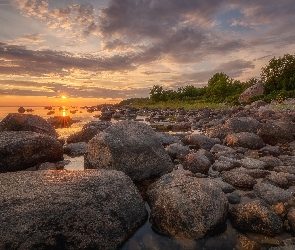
63,97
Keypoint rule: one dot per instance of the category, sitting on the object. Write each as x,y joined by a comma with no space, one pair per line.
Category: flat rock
186,206
131,147
24,149
238,179
251,163
68,209
244,139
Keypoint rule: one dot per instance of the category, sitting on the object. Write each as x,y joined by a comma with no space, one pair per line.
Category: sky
103,51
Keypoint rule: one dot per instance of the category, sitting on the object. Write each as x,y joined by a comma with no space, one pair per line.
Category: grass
178,104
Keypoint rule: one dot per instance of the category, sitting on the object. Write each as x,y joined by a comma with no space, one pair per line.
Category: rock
186,206
223,166
278,179
291,247
242,124
233,198
271,162
271,194
89,130
273,134
177,150
27,122
225,187
270,150
255,90
238,179
68,209
200,141
287,160
291,218
60,121
255,217
251,163
75,149
24,149
244,139
21,110
47,166
166,139
131,147
285,169
244,243
197,163
222,150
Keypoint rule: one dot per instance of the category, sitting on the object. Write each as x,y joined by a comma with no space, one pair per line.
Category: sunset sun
63,97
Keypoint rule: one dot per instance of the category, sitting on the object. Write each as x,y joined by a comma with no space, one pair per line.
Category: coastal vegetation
278,78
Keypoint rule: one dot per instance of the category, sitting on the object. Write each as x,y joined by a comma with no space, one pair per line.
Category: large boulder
255,217
27,122
200,141
68,209
255,90
185,206
24,149
242,124
88,131
245,140
131,147
60,121
272,134
271,194
197,163
238,179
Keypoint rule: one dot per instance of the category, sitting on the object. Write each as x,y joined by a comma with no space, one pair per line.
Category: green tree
157,93
279,74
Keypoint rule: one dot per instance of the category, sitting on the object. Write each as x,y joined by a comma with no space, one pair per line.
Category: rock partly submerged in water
93,209
185,206
27,122
131,147
24,149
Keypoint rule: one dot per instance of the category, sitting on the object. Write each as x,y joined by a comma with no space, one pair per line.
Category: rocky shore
229,186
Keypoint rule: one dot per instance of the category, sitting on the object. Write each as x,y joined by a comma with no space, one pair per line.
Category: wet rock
273,134
131,147
255,217
24,149
238,179
200,141
197,163
68,209
76,149
89,130
185,206
251,163
177,150
271,194
244,139
27,122
60,121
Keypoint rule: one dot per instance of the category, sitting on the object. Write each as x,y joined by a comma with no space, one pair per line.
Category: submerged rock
23,149
68,209
186,206
131,147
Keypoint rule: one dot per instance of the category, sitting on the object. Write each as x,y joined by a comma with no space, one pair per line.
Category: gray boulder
177,150
288,160
89,130
24,149
251,163
200,141
271,194
285,169
255,90
76,149
27,122
222,150
242,124
197,163
238,179
244,139
255,217
186,206
225,187
68,209
273,134
167,139
131,147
